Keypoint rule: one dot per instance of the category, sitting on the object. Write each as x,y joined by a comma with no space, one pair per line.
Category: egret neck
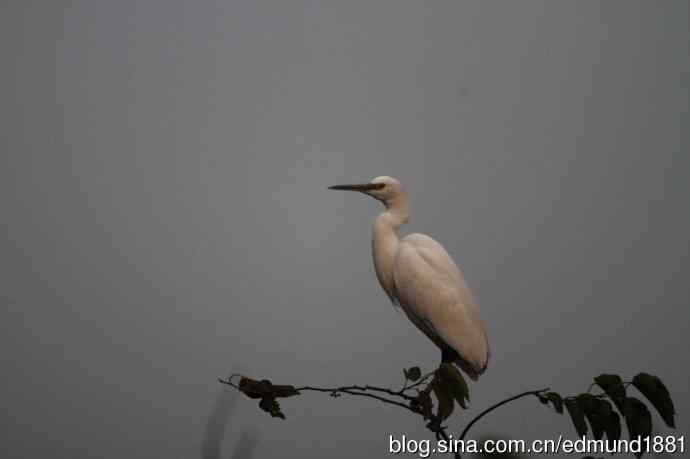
384,241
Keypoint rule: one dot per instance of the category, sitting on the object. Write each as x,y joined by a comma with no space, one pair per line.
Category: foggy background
166,219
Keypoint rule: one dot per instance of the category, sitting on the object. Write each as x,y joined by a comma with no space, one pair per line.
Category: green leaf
271,406
284,390
412,374
445,399
638,419
655,391
254,389
613,387
601,417
612,427
264,388
423,404
596,411
556,400
456,383
577,416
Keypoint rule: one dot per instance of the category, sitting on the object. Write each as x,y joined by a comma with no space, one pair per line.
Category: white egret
418,275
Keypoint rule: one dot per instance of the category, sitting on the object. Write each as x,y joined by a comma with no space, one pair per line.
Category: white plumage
418,275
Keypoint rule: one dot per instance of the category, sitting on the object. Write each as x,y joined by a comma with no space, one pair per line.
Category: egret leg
448,355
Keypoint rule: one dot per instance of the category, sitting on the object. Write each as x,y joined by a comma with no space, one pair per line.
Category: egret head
385,189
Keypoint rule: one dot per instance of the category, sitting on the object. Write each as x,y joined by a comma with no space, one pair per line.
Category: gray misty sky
166,218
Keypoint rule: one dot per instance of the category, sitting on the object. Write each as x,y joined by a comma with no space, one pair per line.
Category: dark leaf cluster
268,393
435,396
600,414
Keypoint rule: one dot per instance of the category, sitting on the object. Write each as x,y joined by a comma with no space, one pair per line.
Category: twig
421,381
363,391
359,390
498,405
384,390
445,436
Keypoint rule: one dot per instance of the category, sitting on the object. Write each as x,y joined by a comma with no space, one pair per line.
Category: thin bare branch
498,405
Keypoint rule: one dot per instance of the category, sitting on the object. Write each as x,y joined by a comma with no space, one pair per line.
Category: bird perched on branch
419,276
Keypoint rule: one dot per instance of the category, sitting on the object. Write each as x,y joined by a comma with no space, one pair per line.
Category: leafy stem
591,413
498,405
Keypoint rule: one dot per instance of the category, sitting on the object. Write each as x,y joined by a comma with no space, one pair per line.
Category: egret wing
432,292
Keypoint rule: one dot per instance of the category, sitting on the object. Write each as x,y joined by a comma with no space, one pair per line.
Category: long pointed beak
364,187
